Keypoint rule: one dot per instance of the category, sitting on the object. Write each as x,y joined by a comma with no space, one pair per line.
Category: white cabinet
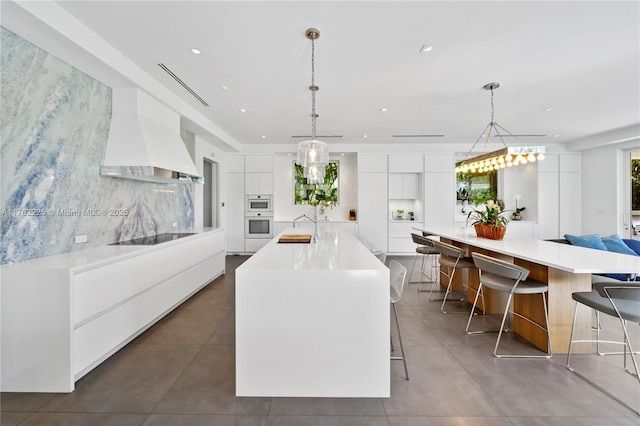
235,163
522,229
570,207
548,204
235,212
405,163
559,196
404,186
372,208
439,190
258,183
254,244
258,163
400,240
438,163
86,305
372,163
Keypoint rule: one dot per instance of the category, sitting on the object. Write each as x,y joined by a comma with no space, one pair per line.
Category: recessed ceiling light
425,48
289,154
243,110
223,88
264,136
196,51
383,110
549,109
365,136
556,136
342,154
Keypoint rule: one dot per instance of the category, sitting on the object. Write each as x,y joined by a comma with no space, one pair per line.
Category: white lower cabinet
59,321
400,240
252,245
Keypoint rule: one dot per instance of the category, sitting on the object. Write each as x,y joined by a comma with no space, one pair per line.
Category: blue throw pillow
615,243
633,245
590,241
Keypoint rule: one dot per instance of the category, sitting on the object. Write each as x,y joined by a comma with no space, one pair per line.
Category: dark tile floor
181,372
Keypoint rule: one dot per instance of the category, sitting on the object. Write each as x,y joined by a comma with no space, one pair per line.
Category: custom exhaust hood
144,141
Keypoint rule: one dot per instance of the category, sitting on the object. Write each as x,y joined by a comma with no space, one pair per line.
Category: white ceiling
581,58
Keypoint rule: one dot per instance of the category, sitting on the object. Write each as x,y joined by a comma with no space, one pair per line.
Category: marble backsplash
53,132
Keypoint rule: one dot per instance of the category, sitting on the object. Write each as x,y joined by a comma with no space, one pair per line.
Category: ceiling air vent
418,136
183,84
317,137
518,136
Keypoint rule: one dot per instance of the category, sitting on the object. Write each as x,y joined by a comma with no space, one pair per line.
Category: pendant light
506,157
313,155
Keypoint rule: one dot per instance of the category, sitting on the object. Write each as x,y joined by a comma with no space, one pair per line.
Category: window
325,194
477,188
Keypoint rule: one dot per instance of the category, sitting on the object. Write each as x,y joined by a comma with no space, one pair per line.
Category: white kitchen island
312,319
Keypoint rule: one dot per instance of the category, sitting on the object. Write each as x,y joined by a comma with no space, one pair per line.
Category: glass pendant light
313,155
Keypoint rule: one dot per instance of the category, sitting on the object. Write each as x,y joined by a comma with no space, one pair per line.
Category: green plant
324,195
490,215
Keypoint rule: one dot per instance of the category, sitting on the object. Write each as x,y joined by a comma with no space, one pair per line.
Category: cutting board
295,238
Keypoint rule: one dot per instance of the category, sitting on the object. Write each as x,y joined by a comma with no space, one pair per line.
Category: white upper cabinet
438,163
405,163
258,183
570,163
404,186
372,163
549,164
235,163
258,163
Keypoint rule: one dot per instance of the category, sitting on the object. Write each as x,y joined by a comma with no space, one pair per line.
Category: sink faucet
314,239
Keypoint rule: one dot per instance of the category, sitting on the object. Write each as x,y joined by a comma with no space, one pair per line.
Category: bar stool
397,274
503,276
452,258
424,248
620,300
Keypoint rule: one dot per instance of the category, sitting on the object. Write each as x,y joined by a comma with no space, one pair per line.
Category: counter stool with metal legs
424,248
620,300
503,276
397,274
451,259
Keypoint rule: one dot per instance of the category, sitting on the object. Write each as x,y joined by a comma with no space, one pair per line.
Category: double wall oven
258,217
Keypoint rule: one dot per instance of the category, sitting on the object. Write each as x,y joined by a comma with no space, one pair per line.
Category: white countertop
94,256
560,256
335,249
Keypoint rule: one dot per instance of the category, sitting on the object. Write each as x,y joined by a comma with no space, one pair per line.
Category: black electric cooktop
153,239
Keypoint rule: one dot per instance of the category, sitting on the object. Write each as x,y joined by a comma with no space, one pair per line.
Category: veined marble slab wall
54,127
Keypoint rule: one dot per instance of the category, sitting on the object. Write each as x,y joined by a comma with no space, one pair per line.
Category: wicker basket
489,231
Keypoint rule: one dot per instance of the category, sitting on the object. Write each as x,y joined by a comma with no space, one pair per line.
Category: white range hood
144,141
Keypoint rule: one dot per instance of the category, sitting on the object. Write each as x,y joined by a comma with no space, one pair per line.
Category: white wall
602,189
284,207
521,180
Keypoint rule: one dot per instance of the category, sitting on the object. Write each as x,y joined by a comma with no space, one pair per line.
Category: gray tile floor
181,372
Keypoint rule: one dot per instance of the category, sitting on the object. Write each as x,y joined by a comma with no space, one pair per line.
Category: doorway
210,217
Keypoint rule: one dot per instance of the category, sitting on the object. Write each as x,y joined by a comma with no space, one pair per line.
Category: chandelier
313,155
505,157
